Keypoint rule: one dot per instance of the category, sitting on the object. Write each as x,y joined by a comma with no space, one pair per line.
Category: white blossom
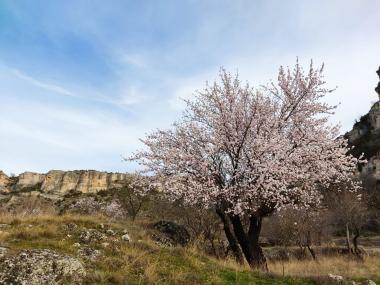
252,149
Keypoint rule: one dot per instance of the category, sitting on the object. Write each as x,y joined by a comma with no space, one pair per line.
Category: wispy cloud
43,85
122,68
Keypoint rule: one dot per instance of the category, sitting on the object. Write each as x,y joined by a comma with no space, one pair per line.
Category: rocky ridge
61,182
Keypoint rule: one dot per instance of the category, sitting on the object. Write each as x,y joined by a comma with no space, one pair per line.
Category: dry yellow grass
347,267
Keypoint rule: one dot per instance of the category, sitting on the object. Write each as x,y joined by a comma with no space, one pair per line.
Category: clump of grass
15,222
32,234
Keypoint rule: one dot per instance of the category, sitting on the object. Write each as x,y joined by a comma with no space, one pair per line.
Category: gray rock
110,232
368,282
335,279
126,237
85,236
40,267
91,235
70,227
89,253
162,240
3,251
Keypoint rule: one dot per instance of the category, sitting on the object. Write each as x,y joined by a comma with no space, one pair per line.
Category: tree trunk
249,243
308,245
232,242
253,236
242,238
355,242
312,252
348,239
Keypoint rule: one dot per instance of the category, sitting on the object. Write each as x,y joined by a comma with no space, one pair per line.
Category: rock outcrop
61,182
365,139
37,267
5,182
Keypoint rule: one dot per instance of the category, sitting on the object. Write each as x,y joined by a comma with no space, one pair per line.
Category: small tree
302,227
247,152
350,213
132,196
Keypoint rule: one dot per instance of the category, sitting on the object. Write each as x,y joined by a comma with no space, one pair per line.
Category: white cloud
46,86
53,137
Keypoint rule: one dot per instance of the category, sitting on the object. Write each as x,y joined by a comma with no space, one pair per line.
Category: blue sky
81,81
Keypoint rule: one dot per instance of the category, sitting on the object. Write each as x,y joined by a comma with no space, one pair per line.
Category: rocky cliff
61,182
365,138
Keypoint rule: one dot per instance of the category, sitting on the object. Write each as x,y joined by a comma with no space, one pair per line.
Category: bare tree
349,211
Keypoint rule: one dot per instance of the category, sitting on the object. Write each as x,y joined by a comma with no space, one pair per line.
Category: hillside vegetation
108,259
115,261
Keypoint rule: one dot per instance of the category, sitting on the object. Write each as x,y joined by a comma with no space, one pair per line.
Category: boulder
91,235
40,267
110,232
88,252
335,279
126,237
177,234
70,227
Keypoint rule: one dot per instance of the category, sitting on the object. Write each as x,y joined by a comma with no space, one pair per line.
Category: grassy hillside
140,261
137,262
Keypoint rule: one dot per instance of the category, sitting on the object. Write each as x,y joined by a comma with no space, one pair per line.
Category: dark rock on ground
91,235
89,253
162,240
177,234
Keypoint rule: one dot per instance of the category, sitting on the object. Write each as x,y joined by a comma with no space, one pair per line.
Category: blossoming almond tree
248,152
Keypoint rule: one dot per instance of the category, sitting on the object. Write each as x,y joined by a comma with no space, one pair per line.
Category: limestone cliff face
28,179
5,182
61,182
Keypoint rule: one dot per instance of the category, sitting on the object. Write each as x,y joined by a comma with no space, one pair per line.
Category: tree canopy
252,149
